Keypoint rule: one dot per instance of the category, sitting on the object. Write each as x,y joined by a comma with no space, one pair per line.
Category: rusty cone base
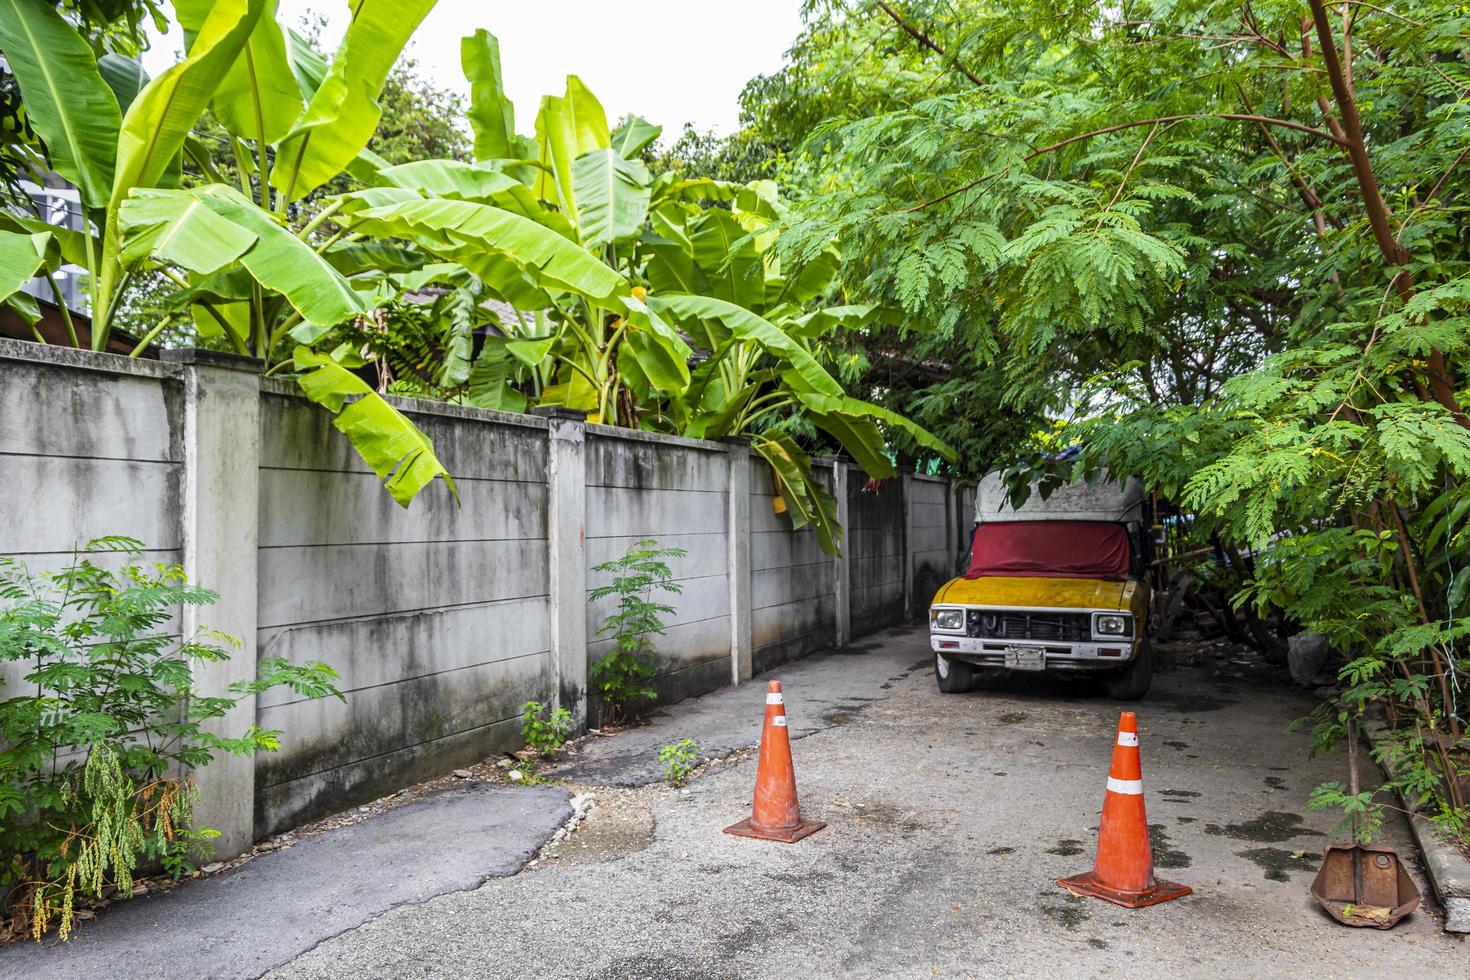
1124,870
776,814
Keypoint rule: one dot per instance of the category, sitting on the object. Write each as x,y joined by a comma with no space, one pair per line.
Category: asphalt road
949,818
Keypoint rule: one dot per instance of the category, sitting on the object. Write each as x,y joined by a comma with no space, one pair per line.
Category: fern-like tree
621,677
1226,242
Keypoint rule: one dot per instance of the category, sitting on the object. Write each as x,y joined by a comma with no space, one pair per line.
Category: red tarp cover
1060,549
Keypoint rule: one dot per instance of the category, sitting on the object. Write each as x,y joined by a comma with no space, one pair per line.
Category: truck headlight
949,619
1112,624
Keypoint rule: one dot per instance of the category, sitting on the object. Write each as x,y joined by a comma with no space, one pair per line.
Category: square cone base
803,829
1087,884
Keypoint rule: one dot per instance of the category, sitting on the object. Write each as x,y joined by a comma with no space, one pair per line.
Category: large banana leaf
747,326
174,227
612,197
308,67
587,118
74,244
491,377
567,127
848,411
474,234
126,78
807,501
633,134
819,323
730,262
65,98
453,179
275,258
153,130
343,113
258,98
395,448
21,256
491,114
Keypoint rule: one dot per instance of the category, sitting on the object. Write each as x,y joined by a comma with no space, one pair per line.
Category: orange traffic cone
776,814
1123,872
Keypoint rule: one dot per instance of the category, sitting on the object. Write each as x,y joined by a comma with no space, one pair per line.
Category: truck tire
1132,682
953,676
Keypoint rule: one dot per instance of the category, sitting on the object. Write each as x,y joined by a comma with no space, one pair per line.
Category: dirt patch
1012,718
1071,914
1275,782
1096,943
1066,848
1166,855
1279,864
620,823
1178,794
1001,851
1271,827
1175,744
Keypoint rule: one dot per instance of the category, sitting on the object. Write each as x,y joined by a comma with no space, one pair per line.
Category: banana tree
619,258
252,269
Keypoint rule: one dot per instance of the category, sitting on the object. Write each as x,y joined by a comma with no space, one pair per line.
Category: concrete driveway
949,817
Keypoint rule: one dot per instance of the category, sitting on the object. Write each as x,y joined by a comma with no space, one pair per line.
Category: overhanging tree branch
926,41
1155,121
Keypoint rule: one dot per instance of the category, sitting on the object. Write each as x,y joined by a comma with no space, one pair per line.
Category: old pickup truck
1054,586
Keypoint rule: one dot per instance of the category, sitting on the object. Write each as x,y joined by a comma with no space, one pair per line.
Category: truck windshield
1061,549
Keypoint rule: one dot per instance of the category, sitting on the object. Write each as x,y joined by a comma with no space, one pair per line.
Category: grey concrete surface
823,691
949,817
244,921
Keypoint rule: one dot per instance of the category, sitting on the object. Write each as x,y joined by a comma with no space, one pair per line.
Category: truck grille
1029,626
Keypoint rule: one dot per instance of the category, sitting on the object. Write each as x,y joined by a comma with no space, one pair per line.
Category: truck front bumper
1059,656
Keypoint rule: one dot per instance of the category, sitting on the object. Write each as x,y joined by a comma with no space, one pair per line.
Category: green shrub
544,729
679,759
622,676
97,748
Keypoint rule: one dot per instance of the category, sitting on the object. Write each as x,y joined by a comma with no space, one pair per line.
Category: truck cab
1055,586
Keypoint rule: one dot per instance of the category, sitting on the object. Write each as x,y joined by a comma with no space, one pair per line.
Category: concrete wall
875,546
90,445
793,585
676,492
931,537
439,618
436,615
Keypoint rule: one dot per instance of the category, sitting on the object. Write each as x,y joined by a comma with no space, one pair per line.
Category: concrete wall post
842,578
566,532
906,485
738,538
219,522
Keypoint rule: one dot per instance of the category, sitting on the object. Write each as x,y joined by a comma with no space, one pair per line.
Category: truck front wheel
1132,682
954,676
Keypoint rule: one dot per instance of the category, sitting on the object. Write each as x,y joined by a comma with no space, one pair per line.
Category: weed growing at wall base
545,729
679,759
622,677
96,753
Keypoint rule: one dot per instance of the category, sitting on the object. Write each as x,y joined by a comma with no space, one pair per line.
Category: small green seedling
679,759
544,729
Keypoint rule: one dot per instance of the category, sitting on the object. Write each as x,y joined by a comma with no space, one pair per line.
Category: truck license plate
1026,658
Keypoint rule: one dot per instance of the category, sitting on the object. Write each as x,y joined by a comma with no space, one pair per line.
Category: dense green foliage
1220,246
96,749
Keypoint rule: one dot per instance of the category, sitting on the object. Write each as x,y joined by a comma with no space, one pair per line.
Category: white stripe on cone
774,699
1128,787
1127,738
780,722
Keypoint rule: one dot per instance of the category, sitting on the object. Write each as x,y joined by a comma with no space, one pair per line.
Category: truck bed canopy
1058,549
1107,501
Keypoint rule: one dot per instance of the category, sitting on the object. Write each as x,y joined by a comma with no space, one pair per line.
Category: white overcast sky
669,61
